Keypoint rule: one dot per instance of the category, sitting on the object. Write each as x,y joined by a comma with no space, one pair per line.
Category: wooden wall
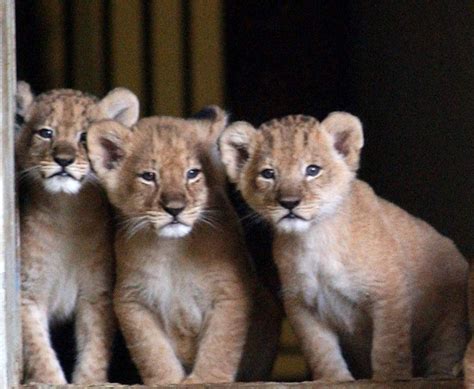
168,52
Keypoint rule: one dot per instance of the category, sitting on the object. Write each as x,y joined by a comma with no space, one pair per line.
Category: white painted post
10,327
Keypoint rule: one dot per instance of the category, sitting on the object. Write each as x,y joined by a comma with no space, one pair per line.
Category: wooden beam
207,55
10,336
167,58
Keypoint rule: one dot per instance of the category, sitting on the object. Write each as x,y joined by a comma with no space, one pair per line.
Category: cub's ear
24,98
215,119
346,130
107,148
235,146
120,105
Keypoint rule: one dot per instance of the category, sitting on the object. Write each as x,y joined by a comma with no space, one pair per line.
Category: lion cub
365,284
66,242
184,293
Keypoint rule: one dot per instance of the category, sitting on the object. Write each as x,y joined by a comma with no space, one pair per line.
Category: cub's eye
312,170
268,174
147,176
46,133
83,137
193,173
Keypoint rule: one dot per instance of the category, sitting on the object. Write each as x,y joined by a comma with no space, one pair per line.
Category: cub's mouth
292,216
174,229
63,181
63,173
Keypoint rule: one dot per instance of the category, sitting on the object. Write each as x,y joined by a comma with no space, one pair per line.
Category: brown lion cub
66,241
184,293
360,277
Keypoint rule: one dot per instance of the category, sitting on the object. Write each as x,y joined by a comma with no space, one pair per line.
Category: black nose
289,203
63,161
174,211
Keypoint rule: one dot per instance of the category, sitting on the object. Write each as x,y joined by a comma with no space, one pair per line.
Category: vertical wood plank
127,45
207,53
167,57
51,12
10,336
88,60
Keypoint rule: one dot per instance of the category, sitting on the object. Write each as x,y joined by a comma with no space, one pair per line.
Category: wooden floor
362,384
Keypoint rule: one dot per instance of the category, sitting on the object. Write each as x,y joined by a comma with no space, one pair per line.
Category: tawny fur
66,236
469,356
185,296
358,273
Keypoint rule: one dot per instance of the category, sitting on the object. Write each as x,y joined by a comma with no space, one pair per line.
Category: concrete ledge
362,384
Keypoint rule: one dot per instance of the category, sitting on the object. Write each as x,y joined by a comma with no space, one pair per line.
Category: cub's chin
58,184
295,225
177,230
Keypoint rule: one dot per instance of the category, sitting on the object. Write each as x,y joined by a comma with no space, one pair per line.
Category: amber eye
148,176
193,173
268,174
46,133
313,170
83,137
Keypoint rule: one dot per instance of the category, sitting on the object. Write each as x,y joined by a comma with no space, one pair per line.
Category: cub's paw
155,381
194,379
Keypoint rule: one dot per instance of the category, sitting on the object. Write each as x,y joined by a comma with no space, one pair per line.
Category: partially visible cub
365,284
185,293
469,356
66,241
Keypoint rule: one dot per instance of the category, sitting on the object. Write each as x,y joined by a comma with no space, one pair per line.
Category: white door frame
10,327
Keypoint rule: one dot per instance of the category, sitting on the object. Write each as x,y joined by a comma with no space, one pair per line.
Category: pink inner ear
113,153
342,144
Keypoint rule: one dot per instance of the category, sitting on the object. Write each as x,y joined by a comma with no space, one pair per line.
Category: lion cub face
293,171
51,145
159,173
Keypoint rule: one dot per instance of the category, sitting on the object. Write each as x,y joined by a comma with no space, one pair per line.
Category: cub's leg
320,344
220,349
95,327
40,361
446,346
263,337
148,344
391,354
469,365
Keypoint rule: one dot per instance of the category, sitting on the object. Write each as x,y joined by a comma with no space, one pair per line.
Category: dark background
406,68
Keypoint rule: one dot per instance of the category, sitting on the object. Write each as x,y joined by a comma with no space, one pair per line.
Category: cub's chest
329,287
174,292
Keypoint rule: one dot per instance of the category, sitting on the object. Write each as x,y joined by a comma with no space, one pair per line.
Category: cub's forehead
63,107
289,135
167,138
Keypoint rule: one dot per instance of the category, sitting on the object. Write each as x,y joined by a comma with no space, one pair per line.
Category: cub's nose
63,161
173,211
289,202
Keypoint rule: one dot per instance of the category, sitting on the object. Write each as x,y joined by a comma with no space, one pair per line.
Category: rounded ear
24,98
346,131
235,147
215,119
120,105
107,148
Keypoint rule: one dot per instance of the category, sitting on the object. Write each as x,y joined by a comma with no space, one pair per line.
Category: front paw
90,378
156,381
340,377
194,379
